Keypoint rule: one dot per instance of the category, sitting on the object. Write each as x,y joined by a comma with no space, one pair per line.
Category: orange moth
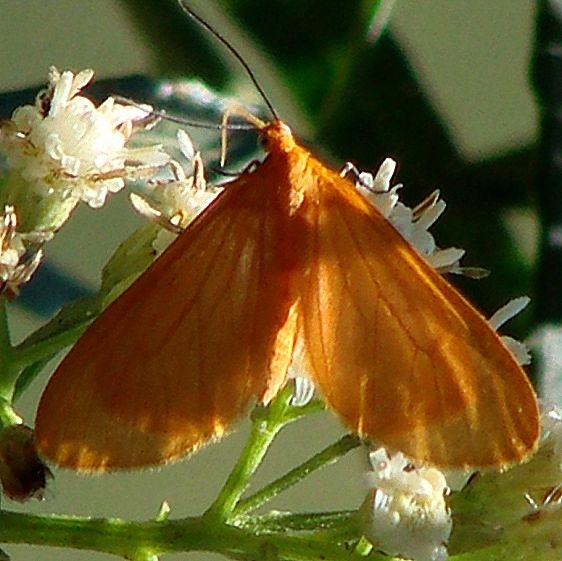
289,255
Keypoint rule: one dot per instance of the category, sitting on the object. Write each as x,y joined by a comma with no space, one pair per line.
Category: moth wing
177,358
396,351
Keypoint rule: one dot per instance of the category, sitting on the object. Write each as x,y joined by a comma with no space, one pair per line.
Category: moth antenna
187,10
181,121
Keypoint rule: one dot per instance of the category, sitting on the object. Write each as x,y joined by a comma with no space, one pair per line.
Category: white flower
176,201
414,223
303,392
405,513
14,269
519,350
65,145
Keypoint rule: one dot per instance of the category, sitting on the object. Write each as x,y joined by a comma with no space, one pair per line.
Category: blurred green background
444,91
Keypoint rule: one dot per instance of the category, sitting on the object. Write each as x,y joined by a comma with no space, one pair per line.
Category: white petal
507,312
185,144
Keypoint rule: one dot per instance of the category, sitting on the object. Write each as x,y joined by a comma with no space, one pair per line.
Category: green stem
299,411
26,355
335,526
266,423
326,457
8,370
27,375
118,537
537,539
5,343
133,540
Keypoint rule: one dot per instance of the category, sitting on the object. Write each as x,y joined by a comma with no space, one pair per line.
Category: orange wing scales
289,251
177,358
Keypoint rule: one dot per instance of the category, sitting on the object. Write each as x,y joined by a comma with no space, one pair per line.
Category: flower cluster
64,145
405,513
176,201
412,223
63,150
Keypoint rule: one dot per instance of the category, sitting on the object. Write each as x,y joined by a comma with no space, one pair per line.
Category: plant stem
336,526
266,423
537,540
8,371
326,457
26,355
132,540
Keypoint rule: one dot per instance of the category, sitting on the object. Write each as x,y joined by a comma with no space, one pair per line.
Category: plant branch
326,457
8,371
266,423
140,540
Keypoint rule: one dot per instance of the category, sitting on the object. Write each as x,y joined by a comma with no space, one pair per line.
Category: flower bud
22,473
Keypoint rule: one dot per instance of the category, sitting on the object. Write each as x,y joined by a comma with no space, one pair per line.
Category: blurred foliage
547,81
